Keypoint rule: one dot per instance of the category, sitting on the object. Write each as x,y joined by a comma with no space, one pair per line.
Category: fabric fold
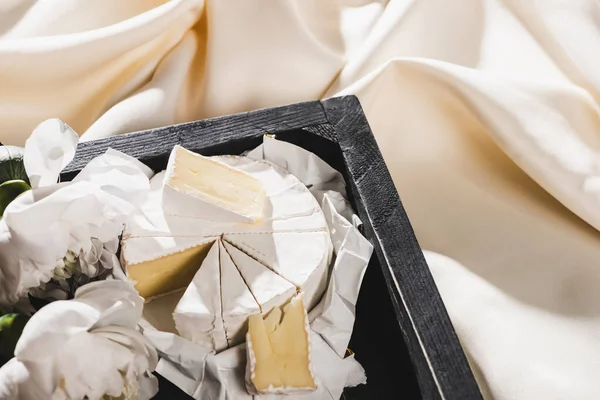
486,112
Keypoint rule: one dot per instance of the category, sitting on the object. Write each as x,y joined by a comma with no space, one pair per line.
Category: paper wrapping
202,374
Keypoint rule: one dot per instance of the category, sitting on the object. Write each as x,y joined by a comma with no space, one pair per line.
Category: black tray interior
377,339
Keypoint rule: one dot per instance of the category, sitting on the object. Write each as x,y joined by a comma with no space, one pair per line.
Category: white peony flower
86,347
49,149
59,236
10,272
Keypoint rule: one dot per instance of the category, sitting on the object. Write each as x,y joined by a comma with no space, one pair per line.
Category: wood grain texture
229,129
441,365
210,136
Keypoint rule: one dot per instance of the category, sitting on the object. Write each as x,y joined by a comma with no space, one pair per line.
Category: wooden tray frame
337,130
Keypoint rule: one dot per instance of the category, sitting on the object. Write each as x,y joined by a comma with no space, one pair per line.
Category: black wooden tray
402,335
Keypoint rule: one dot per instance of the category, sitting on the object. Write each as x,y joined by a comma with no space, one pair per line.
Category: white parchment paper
204,375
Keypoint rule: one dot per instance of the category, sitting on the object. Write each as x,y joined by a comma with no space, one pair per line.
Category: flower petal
118,174
12,375
133,340
117,301
90,366
146,357
148,386
48,150
90,253
43,224
118,272
108,259
20,381
34,219
112,245
86,347
52,291
50,328
10,270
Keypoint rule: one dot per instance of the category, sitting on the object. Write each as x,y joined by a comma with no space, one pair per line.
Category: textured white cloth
486,112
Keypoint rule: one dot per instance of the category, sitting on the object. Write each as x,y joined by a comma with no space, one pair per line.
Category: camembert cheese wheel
228,268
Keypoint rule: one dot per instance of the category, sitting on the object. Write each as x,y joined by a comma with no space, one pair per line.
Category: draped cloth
486,112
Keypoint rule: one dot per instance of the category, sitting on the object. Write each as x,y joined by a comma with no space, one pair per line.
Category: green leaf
11,327
12,166
9,191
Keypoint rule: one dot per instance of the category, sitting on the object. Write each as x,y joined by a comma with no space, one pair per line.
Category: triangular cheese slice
198,313
278,351
238,302
269,289
163,265
203,187
301,258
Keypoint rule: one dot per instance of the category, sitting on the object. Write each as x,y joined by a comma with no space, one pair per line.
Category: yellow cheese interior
281,349
169,273
217,183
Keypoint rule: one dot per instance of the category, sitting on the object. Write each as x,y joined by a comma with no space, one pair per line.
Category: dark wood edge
156,142
439,360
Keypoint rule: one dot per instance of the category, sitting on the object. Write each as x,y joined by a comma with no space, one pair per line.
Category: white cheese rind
238,302
155,223
181,196
268,288
302,258
198,313
289,207
139,250
275,179
163,265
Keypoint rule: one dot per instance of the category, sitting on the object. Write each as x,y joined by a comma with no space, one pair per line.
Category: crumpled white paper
315,173
204,375
83,218
87,346
333,318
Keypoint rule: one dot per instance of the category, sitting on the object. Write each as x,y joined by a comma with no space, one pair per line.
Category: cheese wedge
281,252
269,289
201,305
289,207
203,187
279,351
238,302
269,261
163,265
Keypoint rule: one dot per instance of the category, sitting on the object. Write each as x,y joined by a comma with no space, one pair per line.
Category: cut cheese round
260,264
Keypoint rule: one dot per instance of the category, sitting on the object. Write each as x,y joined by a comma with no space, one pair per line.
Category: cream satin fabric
486,112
